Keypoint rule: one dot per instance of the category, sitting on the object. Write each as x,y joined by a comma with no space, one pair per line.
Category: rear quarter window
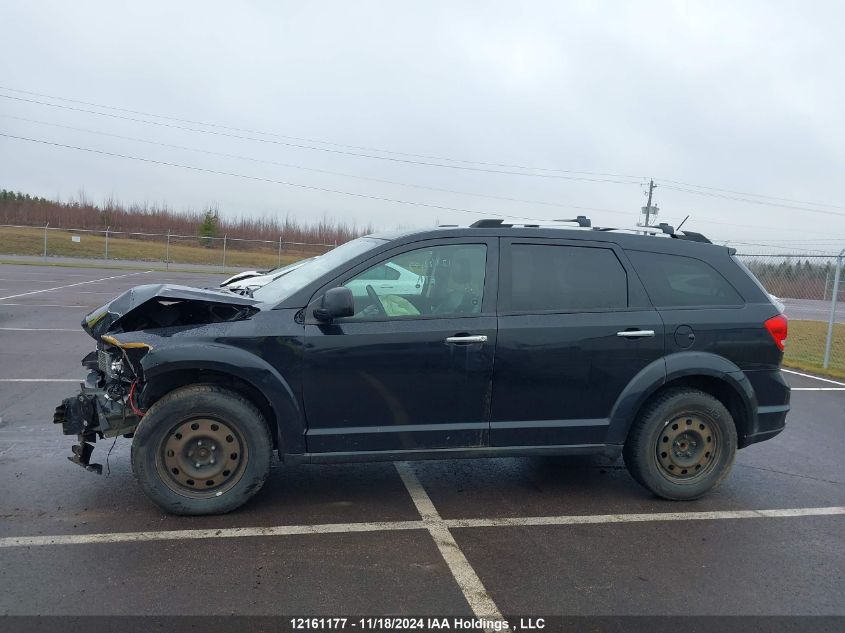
678,281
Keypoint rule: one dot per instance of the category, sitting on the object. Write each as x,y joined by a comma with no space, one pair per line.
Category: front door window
439,280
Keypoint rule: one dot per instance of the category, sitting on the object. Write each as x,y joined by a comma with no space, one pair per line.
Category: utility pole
648,212
648,207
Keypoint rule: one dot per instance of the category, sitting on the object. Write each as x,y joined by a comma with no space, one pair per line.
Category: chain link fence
810,289
225,253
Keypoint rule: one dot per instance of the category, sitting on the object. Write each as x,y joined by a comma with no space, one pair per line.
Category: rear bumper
770,422
773,394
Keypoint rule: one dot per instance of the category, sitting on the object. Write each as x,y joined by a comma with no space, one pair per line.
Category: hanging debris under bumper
91,414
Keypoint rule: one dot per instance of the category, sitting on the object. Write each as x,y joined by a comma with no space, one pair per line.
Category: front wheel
201,449
682,445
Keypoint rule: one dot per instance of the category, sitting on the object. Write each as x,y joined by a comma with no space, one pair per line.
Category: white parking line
30,281
40,380
476,595
798,373
32,272
171,535
637,518
428,521
81,283
42,329
48,305
818,388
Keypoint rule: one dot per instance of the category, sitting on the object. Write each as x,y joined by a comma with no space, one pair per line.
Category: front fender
674,367
233,361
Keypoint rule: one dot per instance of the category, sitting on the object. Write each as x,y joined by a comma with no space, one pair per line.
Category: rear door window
562,278
678,281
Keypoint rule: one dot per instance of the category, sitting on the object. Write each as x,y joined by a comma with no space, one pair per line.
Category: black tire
235,459
682,445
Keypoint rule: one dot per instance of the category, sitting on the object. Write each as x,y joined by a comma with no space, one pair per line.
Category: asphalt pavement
812,310
528,536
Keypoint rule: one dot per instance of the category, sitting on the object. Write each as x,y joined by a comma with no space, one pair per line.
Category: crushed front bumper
90,415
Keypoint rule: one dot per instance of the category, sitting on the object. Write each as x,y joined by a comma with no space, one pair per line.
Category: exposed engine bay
106,405
160,306
161,313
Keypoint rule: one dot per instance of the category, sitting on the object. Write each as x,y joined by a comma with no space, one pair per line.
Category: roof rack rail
661,229
489,223
584,222
691,236
581,220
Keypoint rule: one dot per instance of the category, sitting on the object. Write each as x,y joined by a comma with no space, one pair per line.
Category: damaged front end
105,405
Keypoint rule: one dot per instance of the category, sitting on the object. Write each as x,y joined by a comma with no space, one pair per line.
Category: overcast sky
742,96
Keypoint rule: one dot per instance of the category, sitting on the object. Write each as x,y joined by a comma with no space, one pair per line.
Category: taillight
778,327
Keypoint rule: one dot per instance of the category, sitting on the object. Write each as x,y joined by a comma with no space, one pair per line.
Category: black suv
481,341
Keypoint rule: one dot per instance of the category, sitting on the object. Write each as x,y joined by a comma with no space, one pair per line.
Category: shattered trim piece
110,340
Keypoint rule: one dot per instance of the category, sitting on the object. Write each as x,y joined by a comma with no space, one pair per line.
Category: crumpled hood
167,305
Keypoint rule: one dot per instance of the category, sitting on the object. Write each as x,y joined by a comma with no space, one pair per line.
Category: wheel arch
168,369
706,372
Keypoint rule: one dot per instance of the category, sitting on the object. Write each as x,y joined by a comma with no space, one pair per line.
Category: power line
443,190
698,218
745,198
833,240
311,140
268,180
754,195
313,169
750,201
323,149
335,191
806,250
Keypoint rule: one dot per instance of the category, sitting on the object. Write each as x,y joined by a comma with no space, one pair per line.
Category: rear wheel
682,445
201,450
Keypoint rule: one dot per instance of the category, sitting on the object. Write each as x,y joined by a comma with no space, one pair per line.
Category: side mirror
336,303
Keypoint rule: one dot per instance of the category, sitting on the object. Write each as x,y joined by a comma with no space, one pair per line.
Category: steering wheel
371,293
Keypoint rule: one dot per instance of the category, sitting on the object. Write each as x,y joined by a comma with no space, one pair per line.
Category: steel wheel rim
688,447
201,457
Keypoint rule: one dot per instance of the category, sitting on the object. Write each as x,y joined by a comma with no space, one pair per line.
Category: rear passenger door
575,326
703,311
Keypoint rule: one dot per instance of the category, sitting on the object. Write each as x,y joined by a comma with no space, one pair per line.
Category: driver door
412,369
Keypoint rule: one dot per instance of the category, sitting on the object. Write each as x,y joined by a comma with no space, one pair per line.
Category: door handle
635,333
479,338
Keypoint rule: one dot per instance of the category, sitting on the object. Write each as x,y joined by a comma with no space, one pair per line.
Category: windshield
288,267
312,270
